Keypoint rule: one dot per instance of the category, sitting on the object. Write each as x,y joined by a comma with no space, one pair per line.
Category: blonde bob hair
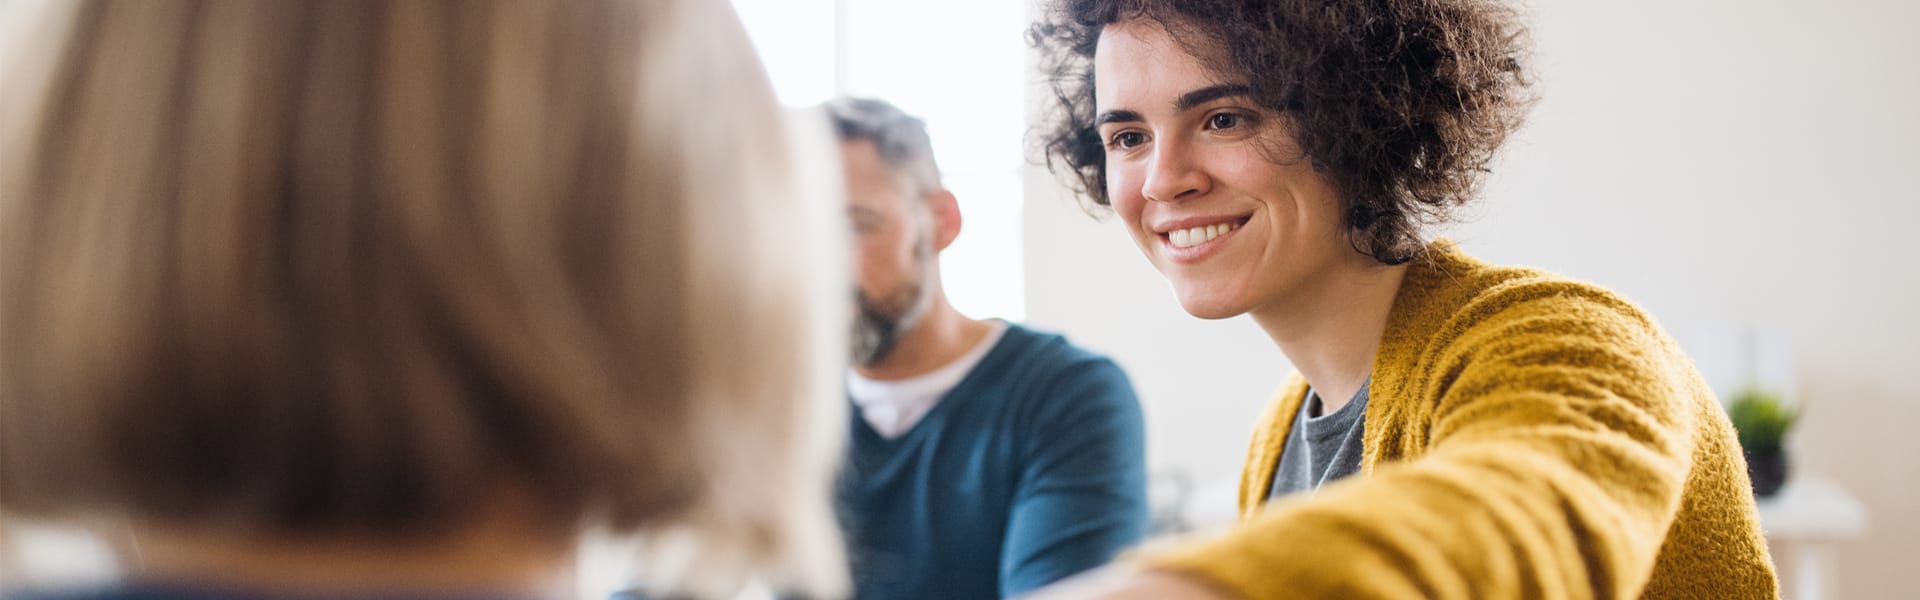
302,268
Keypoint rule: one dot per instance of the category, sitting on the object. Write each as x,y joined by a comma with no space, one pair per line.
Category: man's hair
1401,104
900,139
307,269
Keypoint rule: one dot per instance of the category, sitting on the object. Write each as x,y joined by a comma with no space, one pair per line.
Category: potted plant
1762,420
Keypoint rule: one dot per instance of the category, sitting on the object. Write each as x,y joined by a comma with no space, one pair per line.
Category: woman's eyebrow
1211,93
1186,102
1117,116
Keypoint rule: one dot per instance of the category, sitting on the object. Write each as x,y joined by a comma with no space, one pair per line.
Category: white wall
1729,164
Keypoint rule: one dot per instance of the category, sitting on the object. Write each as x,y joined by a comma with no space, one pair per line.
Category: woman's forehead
1139,61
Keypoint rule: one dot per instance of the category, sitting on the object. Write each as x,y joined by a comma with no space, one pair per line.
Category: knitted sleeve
1558,436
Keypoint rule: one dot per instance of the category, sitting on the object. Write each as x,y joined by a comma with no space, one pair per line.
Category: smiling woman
1481,431
1436,87
1210,183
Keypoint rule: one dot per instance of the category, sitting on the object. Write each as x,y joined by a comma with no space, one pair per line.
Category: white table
1810,516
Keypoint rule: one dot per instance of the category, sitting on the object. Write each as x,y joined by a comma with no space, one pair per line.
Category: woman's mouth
1190,244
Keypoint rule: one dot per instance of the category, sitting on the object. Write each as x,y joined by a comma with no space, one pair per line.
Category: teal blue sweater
1031,469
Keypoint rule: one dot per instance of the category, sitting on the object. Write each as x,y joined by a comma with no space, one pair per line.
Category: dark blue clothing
1031,469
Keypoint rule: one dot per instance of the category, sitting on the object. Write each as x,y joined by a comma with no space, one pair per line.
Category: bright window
959,65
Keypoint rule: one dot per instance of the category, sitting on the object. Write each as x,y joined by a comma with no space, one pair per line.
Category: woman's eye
1127,139
1223,121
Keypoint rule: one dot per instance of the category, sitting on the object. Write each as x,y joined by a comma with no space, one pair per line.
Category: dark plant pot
1767,467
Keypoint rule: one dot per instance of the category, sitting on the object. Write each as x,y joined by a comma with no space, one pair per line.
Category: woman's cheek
1123,190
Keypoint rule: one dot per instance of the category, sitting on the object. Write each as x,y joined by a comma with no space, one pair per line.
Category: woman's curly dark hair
1401,104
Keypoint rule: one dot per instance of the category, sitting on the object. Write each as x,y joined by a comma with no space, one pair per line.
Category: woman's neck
1331,328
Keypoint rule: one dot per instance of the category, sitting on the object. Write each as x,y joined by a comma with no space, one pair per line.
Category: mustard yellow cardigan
1527,436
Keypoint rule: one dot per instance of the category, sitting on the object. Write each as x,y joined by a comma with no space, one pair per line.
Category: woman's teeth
1185,238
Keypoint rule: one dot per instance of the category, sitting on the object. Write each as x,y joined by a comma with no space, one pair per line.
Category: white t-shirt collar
892,408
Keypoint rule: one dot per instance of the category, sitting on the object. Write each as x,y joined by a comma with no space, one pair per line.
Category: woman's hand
1122,583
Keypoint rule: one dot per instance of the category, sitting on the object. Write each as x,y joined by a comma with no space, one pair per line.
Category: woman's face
1211,186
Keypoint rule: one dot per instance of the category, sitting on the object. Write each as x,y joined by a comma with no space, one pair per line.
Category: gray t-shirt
1321,448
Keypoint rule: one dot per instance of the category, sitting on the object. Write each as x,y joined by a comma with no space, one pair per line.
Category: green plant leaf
1761,418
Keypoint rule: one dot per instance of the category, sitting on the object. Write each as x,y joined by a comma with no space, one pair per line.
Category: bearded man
986,459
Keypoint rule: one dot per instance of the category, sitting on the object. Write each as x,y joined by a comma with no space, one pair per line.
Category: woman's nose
1174,175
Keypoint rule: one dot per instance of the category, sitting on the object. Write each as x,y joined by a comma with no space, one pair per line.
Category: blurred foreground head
381,271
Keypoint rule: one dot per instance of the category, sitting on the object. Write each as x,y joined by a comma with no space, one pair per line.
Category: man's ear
945,210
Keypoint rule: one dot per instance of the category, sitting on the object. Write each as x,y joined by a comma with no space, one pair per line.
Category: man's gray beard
879,324
877,327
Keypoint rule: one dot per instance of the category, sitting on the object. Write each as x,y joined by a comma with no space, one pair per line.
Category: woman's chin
1209,307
